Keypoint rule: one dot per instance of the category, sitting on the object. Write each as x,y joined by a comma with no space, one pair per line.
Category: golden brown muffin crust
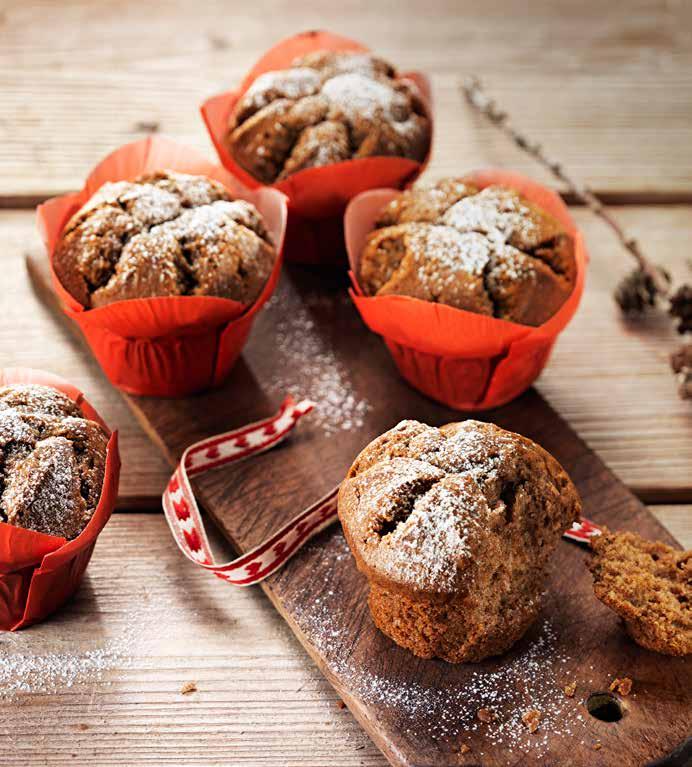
327,107
164,234
649,585
487,251
52,461
453,528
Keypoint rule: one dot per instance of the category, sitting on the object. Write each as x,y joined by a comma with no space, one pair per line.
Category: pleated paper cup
465,360
39,572
166,346
317,197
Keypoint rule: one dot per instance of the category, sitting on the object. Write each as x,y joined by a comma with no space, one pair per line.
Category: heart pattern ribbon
184,518
582,531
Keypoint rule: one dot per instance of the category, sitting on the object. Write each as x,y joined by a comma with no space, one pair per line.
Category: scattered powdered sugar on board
532,676
316,372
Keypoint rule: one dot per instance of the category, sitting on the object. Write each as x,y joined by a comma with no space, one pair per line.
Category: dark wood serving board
418,712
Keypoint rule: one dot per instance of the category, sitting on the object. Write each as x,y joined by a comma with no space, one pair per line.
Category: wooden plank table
609,90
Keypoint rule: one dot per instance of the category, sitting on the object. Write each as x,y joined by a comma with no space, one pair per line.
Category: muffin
164,234
52,461
454,527
649,585
329,106
487,251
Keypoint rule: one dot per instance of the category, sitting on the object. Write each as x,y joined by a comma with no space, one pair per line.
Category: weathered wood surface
159,623
607,87
260,698
610,380
323,598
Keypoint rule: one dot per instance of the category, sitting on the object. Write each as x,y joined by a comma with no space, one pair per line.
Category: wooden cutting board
419,712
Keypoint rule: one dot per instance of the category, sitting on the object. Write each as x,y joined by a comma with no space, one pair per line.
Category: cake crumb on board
531,719
622,686
188,688
485,715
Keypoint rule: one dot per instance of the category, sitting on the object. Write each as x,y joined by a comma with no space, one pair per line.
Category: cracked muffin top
487,251
164,234
649,585
329,106
427,509
52,461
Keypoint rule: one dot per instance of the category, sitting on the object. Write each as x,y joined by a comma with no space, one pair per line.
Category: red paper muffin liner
465,360
39,572
166,346
317,197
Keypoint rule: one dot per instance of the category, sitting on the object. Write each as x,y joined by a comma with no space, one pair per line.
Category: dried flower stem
480,101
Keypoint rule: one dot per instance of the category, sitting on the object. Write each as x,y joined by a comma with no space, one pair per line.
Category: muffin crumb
188,688
622,686
570,689
531,719
485,715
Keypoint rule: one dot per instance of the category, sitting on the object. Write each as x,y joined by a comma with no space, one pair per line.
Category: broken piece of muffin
649,585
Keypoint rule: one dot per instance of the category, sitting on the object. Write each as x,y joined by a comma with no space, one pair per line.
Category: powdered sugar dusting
25,672
449,252
42,491
285,83
418,516
315,371
165,234
362,97
531,676
439,523
494,212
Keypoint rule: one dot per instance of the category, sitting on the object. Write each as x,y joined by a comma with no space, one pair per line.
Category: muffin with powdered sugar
52,461
327,107
164,234
454,528
488,251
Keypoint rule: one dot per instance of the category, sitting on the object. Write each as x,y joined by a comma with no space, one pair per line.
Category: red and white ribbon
185,521
582,531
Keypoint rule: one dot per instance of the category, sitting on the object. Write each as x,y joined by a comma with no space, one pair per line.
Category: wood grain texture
323,598
646,438
260,699
608,87
611,379
677,519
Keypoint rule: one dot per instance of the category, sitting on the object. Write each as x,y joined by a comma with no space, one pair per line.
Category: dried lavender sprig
481,102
